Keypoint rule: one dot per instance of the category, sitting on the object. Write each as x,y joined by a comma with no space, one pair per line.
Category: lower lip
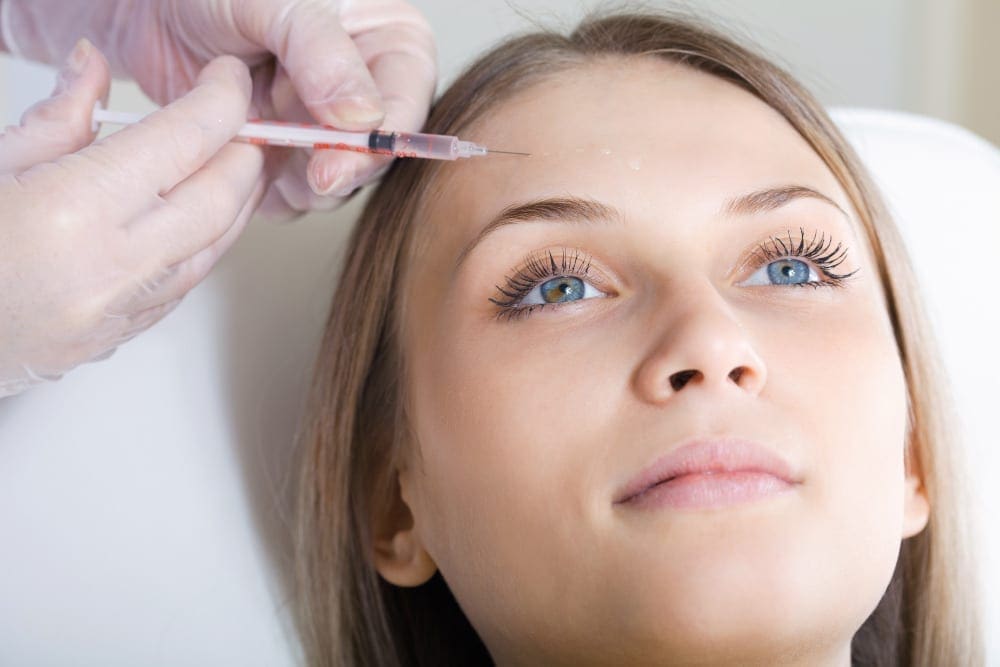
704,491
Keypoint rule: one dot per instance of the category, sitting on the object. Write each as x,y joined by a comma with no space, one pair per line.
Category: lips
706,456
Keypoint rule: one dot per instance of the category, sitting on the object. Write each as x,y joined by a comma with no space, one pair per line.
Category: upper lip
708,455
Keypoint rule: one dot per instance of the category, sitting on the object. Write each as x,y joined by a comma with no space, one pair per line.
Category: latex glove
98,241
338,63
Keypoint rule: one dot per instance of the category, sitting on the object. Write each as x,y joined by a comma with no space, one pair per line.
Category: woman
514,341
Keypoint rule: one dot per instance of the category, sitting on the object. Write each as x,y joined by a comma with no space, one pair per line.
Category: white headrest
142,497
943,186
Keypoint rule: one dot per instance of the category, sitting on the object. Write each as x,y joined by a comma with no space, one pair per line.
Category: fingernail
357,110
339,183
71,69
79,56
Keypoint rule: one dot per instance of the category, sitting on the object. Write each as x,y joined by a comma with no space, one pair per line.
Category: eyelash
536,271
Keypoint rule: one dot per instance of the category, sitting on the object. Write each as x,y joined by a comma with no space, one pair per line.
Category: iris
554,291
788,271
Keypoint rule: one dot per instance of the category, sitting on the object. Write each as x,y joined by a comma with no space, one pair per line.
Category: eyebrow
772,198
577,210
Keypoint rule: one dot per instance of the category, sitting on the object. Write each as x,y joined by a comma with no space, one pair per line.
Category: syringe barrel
414,144
277,133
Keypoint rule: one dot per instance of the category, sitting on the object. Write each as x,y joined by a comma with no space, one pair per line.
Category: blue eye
786,269
545,281
784,272
560,290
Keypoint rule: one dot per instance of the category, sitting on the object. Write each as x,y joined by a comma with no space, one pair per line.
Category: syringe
277,133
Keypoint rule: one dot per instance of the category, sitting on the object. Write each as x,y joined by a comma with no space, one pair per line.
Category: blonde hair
356,420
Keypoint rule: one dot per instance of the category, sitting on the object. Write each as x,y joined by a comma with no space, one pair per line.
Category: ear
916,506
399,555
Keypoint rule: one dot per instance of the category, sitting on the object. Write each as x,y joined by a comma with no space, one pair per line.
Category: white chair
143,499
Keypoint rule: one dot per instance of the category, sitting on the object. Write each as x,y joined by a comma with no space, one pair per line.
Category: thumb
326,69
60,124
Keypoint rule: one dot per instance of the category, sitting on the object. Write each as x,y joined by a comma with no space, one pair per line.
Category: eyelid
786,246
539,266
596,274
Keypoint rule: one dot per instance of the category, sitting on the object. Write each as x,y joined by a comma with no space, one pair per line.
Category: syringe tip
491,150
469,149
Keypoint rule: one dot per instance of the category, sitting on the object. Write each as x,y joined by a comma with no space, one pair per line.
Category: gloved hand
99,241
337,64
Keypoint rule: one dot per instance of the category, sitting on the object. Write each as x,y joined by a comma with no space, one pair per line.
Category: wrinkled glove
337,63
98,241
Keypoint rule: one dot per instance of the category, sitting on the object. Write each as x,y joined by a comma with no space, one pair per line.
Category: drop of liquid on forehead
635,164
605,151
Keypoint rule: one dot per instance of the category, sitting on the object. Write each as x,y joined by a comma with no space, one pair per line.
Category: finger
131,326
60,124
290,184
142,161
344,171
135,325
200,210
289,194
403,62
402,58
182,277
329,74
192,217
274,209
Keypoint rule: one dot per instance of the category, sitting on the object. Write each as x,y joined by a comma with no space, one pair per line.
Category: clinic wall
936,57
980,94
807,36
851,52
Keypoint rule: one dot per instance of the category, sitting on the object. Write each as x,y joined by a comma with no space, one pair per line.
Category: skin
524,430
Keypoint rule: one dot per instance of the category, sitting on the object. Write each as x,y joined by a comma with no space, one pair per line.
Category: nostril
679,379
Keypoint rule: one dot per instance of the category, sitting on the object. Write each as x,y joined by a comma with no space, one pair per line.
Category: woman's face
528,422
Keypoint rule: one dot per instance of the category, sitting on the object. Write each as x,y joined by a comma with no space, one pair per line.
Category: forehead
636,103
634,132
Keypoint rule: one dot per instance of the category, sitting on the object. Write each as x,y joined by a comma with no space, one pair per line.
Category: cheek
844,388
498,419
856,401
498,427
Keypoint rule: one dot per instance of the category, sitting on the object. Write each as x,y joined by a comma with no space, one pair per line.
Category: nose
700,345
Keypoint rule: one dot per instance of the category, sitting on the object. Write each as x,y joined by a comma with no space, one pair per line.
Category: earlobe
399,552
916,506
404,561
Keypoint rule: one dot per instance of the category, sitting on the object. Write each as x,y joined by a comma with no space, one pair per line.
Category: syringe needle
490,150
